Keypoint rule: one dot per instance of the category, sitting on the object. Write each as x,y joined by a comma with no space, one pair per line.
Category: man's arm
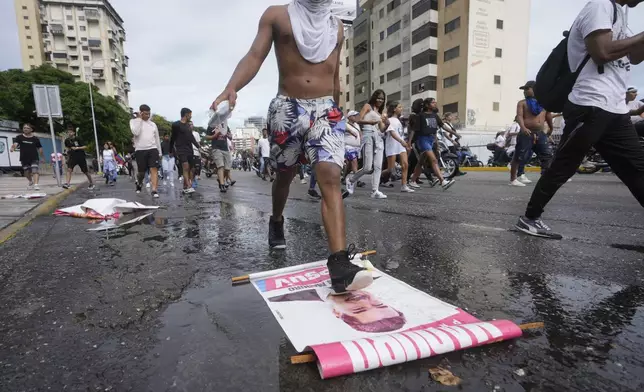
637,112
603,49
249,65
336,75
520,118
136,124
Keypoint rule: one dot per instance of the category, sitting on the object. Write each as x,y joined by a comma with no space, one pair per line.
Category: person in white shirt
352,143
596,113
148,148
395,145
264,152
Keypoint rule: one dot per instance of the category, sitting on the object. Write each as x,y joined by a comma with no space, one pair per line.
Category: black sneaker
313,194
360,184
345,193
91,187
346,276
434,182
138,188
537,228
155,194
232,183
419,181
222,188
276,234
65,186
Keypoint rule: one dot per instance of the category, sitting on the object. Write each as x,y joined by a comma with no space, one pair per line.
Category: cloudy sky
182,54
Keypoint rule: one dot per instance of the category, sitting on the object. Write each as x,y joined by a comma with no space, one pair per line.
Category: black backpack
555,80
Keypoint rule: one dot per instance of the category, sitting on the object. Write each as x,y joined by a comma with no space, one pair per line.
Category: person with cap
635,106
596,113
531,118
352,143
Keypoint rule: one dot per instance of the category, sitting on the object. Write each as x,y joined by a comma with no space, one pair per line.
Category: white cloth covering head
314,27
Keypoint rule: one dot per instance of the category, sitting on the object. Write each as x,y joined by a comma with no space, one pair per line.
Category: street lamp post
91,102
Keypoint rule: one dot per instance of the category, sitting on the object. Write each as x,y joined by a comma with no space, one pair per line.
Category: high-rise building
258,122
82,37
244,138
469,54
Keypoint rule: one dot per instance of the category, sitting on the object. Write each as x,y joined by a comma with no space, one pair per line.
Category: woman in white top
395,145
109,164
372,121
352,143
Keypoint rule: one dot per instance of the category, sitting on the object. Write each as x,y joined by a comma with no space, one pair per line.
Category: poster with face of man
388,322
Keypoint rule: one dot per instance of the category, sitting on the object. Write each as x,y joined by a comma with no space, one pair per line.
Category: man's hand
229,94
526,131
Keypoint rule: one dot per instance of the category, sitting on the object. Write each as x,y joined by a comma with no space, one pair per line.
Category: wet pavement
151,308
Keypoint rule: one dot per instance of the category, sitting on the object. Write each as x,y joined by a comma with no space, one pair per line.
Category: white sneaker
303,181
414,184
447,183
516,183
147,185
406,188
172,184
378,195
524,179
351,187
36,187
181,179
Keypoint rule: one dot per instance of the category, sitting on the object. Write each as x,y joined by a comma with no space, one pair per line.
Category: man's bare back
298,77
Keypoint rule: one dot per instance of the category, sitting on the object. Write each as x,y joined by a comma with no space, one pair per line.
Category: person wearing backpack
588,72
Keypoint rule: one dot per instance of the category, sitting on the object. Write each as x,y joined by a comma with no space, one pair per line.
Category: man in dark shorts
181,142
76,157
304,120
30,149
148,148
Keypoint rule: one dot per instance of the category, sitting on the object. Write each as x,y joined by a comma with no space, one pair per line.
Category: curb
498,169
43,208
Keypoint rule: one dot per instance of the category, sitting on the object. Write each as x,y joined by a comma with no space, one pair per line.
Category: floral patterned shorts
305,128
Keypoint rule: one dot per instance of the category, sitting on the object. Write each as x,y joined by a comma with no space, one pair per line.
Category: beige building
469,54
82,37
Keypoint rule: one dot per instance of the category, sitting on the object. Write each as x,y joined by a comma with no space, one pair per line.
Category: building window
449,2
24,7
450,81
68,7
360,29
382,57
393,28
69,17
452,25
498,52
347,79
495,106
84,39
31,56
29,47
81,17
382,79
395,74
497,79
394,97
85,58
451,54
33,66
423,6
392,5
71,39
499,24
429,29
82,28
450,108
428,83
348,97
26,27
382,35
25,17
346,44
361,68
381,13
423,58
372,65
70,28
360,48
394,51
28,37
346,61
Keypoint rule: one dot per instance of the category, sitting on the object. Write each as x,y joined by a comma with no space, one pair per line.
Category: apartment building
82,37
469,54
258,122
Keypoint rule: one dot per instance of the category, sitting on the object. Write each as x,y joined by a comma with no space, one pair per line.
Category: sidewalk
13,209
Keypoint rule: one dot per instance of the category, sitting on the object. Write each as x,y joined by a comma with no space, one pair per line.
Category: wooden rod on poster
310,357
238,280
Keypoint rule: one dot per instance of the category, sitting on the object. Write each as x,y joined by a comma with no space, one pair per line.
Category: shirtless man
531,118
304,119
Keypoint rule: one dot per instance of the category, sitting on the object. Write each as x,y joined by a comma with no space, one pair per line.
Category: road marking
481,227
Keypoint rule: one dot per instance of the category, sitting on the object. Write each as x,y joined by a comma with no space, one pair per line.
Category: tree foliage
17,103
164,126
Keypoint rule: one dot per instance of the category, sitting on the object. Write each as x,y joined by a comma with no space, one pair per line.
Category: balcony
92,14
94,44
111,35
57,28
59,57
126,61
127,86
114,64
98,75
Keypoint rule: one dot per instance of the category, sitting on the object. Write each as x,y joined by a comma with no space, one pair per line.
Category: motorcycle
466,158
447,161
593,161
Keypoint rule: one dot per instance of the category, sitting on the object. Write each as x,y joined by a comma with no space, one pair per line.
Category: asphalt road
151,308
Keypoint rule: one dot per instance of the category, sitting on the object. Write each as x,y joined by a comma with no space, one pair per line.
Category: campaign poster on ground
387,323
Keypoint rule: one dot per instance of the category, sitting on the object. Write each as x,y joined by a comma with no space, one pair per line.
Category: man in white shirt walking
148,148
596,113
634,106
264,148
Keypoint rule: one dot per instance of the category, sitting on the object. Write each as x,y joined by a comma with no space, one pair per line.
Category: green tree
164,126
17,103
